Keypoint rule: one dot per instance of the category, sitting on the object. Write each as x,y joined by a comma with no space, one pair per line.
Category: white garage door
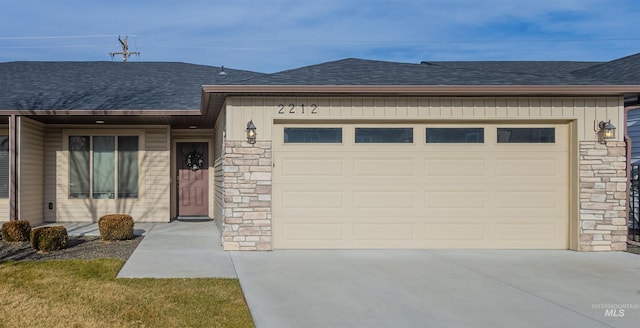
420,186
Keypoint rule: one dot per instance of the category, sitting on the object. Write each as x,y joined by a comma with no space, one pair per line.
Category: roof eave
427,90
102,112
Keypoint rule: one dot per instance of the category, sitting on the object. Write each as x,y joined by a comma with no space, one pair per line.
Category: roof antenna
125,50
222,72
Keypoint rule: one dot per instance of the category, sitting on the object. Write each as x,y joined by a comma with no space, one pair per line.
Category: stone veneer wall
247,196
603,196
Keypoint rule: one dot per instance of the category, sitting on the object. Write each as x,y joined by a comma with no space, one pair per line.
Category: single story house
345,154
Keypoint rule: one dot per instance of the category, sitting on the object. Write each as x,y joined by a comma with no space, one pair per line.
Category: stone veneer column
603,196
247,196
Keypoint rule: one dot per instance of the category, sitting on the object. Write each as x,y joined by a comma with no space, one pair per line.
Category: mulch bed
78,248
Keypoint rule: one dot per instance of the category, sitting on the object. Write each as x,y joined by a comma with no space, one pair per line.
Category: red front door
193,178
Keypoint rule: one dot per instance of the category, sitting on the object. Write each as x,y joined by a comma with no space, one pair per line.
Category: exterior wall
52,169
218,153
603,196
30,170
247,196
4,202
597,214
153,203
588,111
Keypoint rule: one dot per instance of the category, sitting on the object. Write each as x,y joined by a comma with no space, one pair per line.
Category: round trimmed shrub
14,231
49,239
116,227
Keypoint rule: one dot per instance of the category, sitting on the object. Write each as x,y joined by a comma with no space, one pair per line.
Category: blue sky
274,35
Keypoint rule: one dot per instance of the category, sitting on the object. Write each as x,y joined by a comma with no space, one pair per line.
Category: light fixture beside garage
251,132
607,131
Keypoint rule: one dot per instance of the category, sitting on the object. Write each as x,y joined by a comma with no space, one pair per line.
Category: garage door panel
420,195
528,199
385,231
527,232
464,167
455,232
455,199
527,167
371,167
313,231
332,199
312,167
383,199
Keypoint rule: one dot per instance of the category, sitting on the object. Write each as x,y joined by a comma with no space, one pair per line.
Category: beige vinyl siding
30,170
4,202
218,152
156,163
153,202
53,168
586,110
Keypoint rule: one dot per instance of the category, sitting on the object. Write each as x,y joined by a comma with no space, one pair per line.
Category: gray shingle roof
108,85
177,86
370,72
625,70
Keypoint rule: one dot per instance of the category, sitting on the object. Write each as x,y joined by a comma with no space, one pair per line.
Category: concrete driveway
440,288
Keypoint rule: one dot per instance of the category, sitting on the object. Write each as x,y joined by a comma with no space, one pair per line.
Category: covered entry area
453,185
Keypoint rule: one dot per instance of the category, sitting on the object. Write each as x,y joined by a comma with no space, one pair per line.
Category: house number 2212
294,109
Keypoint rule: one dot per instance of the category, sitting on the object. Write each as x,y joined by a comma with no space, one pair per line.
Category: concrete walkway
179,250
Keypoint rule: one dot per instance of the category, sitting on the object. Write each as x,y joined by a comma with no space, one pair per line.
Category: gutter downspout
13,168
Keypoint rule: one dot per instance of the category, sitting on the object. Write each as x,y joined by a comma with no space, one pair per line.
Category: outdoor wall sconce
607,131
251,132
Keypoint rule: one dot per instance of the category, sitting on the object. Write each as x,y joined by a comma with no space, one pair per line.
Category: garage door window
312,135
526,135
384,135
455,135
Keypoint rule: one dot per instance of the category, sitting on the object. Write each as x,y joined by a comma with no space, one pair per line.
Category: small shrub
13,231
49,239
116,227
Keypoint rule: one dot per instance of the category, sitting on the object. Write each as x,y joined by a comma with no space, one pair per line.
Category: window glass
526,135
96,161
4,166
104,167
313,135
384,135
127,167
79,166
455,135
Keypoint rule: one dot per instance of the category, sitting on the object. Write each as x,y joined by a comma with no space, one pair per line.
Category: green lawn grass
85,293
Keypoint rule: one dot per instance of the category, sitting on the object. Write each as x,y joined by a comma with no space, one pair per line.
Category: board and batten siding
153,203
30,170
4,202
588,111
633,131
